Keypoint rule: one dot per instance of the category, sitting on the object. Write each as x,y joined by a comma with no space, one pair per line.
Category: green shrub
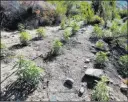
63,24
96,20
99,44
123,13
28,71
67,34
98,31
124,28
41,32
101,91
2,45
21,27
75,27
107,34
123,60
101,57
56,46
24,37
86,11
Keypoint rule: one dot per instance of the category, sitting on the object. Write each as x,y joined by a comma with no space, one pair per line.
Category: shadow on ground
18,90
17,46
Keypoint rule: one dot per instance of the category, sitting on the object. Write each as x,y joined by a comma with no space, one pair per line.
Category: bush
56,46
98,31
101,91
63,24
67,34
123,60
28,71
75,27
41,32
21,27
107,34
24,37
123,13
100,44
101,57
96,20
124,28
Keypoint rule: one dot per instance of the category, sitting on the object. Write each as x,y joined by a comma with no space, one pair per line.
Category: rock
69,82
85,66
94,72
87,60
29,13
82,89
124,88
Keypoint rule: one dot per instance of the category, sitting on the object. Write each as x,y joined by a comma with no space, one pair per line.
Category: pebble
85,66
87,60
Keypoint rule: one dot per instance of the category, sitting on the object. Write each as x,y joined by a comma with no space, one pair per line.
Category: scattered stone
69,82
82,89
124,88
85,66
87,60
94,72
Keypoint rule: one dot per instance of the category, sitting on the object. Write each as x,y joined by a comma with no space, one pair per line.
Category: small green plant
101,57
3,50
21,27
98,31
63,24
28,71
101,91
96,20
41,32
2,45
123,60
67,34
56,46
100,44
24,37
107,34
75,27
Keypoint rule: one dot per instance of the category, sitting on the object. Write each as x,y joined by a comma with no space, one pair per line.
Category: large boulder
30,13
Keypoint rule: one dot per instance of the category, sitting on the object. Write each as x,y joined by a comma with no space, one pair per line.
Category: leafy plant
24,37
101,91
28,71
98,31
56,46
41,32
123,60
107,33
63,24
96,20
99,44
75,27
21,27
67,34
101,57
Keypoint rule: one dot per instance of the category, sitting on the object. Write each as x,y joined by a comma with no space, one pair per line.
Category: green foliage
75,27
107,33
99,44
124,28
21,27
101,91
28,71
101,57
67,34
56,46
86,11
2,46
123,13
96,20
98,31
63,24
41,32
24,37
123,60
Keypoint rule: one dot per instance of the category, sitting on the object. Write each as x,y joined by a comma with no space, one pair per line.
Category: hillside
63,51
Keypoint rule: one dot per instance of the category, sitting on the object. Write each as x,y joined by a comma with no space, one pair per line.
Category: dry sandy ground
69,64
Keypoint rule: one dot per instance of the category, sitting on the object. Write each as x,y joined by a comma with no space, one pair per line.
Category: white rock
81,91
85,66
94,72
87,60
